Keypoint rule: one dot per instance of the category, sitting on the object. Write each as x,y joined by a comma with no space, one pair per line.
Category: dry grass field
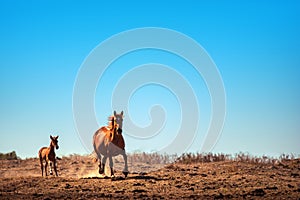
191,176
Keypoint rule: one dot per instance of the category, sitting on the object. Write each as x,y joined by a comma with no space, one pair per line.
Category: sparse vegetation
192,158
185,158
151,158
189,158
9,156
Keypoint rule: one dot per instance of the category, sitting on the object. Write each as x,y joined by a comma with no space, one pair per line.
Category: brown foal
48,154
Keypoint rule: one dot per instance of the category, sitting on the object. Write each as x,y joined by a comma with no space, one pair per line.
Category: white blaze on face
119,119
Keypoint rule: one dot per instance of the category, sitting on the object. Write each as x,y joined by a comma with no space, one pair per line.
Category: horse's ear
56,137
115,113
122,113
51,137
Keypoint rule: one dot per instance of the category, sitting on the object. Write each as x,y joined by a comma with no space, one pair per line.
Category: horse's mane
113,126
111,122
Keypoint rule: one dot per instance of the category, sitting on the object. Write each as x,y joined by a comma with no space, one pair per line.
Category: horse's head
54,141
119,118
119,131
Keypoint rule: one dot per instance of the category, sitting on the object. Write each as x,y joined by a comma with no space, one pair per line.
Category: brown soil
78,179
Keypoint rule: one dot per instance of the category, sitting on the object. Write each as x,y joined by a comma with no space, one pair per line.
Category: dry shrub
189,158
9,156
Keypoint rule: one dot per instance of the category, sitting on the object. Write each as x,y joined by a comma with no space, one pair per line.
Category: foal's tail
41,160
41,155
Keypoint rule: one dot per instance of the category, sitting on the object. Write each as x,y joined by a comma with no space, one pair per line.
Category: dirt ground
78,179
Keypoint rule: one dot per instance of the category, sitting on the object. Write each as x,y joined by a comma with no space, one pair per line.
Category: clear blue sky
255,45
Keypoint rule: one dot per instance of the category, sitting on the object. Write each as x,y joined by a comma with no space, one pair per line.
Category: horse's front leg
111,165
102,165
125,170
101,169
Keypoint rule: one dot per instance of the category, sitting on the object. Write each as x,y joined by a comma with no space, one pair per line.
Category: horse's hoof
101,171
125,174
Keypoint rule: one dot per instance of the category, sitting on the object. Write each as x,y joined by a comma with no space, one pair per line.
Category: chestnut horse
47,154
109,142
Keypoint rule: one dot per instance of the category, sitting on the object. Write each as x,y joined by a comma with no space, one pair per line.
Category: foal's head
119,118
54,141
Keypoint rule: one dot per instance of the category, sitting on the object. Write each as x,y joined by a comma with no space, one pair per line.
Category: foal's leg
111,165
46,164
50,166
55,170
42,167
125,170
